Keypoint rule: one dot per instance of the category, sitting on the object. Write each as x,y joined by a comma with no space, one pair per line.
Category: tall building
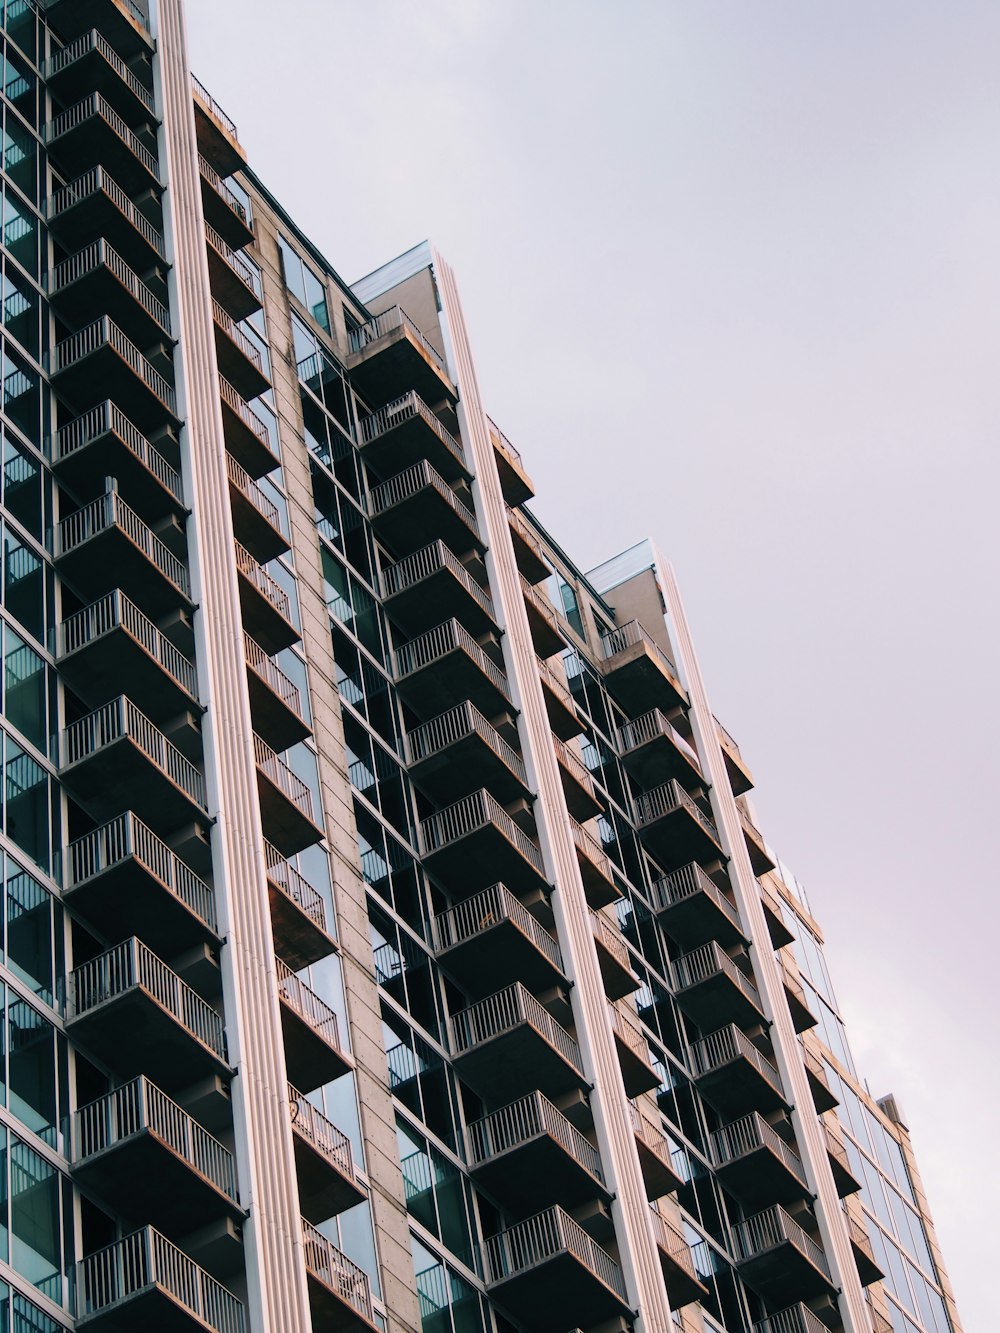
389,941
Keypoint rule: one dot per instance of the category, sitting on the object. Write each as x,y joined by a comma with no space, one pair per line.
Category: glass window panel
22,487
19,309
32,1065
20,232
30,911
20,155
26,791
24,689
34,1219
23,584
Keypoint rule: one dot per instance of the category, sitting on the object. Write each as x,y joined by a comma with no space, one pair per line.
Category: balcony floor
557,1294
640,682
324,1189
119,776
455,675
496,955
97,669
263,621
531,1176
393,365
514,1063
436,597
760,1178
677,837
311,1060
298,939
464,767
128,900
784,1274
107,455
110,560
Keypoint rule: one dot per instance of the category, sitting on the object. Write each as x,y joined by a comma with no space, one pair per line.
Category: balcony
406,432
582,800
218,140
861,1246
756,1165
114,758
136,1134
778,1258
389,355
760,857
446,664
674,828
144,1282
417,504
693,909
247,437
234,283
459,750
653,751
430,584
224,211
491,938
563,717
327,1183
240,360
638,1073
313,1053
802,1016
639,674
471,842
549,1273
542,621
794,1319
100,361
824,1098
655,1159
124,881
104,443
339,1291
110,641
613,958
529,1156
595,868
91,65
712,990
740,778
733,1074
97,278
508,1045
267,610
528,550
256,521
286,803
880,1323
298,913
775,915
676,1262
91,133
122,22
94,205
135,1014
515,483
840,1164
275,700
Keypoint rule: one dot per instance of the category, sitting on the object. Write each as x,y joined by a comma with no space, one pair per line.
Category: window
303,283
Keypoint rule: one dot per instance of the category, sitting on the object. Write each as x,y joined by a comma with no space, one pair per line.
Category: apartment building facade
389,943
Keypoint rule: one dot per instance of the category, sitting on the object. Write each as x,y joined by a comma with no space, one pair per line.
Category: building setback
389,940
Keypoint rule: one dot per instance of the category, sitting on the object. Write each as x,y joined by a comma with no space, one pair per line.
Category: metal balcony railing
268,670
212,177
627,636
113,612
588,845
750,827
857,1231
642,730
139,1107
611,939
106,419
313,1011
128,837
144,1259
387,322
464,720
741,1137
708,961
667,798
437,643
670,1239
524,1120
325,1137
555,684
248,488
121,720
415,479
770,1228
255,573
294,886
502,443
719,1048
402,409
542,1237
92,257
111,511
470,814
669,890
794,1319
97,181
520,525
502,1012
93,41
238,405
96,105
328,1265
283,777
630,1033
651,1134
212,107
239,266
574,765
104,332
485,910
835,1144
132,965
429,560
537,599
233,331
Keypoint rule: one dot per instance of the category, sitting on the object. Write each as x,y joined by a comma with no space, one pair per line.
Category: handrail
611,939
119,719
363,335
212,106
505,1010
410,482
239,266
796,1318
331,1142
105,331
92,257
126,837
97,181
471,813
239,406
574,765
750,827
115,611
769,1228
857,1232
540,602
591,848
709,960
233,331
744,1136
107,418
93,41
501,441
542,1237
144,1259
110,511
283,777
671,1241
313,1011
664,800
254,572
558,687
517,521
684,883
627,636
526,1119
412,569
140,1107
268,670
641,730
630,1033
294,886
835,1143
437,643
131,966
212,177
402,409
247,487
447,728
96,105
726,1044
650,1134
333,1268
484,910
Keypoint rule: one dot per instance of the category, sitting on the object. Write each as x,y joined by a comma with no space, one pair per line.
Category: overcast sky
731,272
